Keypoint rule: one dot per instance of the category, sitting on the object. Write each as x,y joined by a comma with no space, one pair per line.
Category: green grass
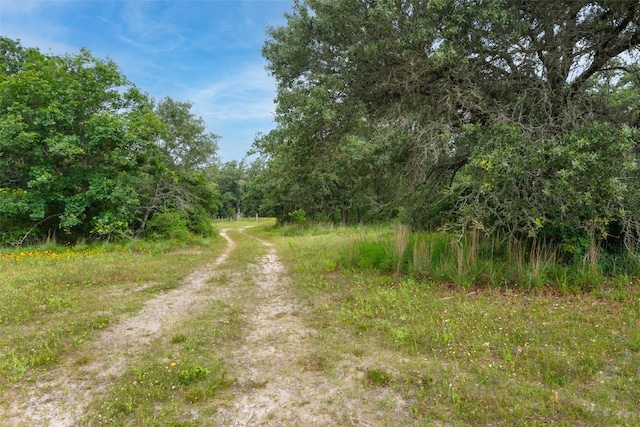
378,377
176,379
475,355
181,379
459,349
54,299
478,261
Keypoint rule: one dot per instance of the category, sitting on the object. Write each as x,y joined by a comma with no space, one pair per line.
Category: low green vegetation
169,385
181,378
476,261
517,349
520,349
53,298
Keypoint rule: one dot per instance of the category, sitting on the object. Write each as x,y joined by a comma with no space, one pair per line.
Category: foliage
168,224
199,222
184,137
396,108
66,153
192,374
299,216
83,153
576,186
245,188
378,377
232,180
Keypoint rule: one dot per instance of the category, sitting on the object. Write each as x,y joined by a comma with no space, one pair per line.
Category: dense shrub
167,224
199,222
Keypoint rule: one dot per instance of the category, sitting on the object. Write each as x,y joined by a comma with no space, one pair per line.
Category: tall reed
402,238
591,254
477,259
541,257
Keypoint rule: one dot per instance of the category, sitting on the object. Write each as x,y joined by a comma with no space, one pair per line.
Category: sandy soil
277,382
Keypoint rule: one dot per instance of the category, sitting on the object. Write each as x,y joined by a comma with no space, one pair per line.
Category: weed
178,338
221,279
378,377
192,374
100,322
474,260
400,246
151,385
83,360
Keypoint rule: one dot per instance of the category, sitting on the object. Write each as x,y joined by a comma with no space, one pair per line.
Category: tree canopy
84,154
495,114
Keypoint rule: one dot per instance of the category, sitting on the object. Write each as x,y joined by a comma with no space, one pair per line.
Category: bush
299,216
167,224
574,189
199,223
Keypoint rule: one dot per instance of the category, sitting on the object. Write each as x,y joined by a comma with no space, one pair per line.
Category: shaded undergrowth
476,260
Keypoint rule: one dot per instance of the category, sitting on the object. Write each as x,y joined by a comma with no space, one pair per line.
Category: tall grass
402,238
478,260
494,356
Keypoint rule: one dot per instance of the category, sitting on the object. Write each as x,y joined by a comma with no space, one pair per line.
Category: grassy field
470,355
52,299
456,354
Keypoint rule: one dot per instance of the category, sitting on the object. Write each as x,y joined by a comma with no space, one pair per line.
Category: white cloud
236,106
144,27
245,95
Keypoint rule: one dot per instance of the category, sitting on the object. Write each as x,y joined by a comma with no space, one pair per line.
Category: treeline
509,118
86,155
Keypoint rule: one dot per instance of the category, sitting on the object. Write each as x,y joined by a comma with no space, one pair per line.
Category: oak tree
440,85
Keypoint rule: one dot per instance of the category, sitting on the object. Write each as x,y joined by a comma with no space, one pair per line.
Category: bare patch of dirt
60,395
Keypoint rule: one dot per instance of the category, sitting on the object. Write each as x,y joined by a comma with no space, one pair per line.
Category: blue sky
206,52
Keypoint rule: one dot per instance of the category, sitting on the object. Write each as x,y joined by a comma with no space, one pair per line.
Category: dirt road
273,364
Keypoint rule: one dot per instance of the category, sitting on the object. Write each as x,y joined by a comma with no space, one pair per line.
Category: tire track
60,396
275,386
